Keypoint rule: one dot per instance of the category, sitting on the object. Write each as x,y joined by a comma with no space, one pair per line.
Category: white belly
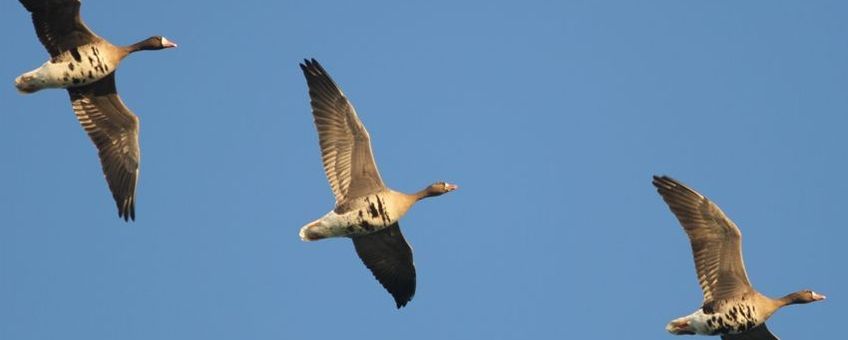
84,65
731,319
363,216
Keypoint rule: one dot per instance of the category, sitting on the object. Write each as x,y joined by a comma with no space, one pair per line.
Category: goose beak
818,297
167,43
451,187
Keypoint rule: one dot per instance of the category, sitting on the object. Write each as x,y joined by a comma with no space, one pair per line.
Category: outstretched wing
58,24
114,130
345,144
715,239
757,333
389,258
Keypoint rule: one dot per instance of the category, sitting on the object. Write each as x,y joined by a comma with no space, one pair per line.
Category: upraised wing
345,144
715,239
58,24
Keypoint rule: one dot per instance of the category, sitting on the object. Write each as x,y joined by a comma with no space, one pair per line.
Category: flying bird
85,64
366,210
732,308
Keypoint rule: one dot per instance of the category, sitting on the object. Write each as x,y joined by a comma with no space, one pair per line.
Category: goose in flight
732,308
366,210
85,64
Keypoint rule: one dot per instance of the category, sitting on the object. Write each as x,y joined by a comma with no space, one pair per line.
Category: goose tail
313,231
26,84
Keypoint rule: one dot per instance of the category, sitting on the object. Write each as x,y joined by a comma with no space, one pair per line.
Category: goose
366,210
732,308
84,64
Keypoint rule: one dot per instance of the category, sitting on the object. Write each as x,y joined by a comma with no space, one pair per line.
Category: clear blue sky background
551,116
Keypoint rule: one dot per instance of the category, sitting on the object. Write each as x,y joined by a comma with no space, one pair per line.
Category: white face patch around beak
167,43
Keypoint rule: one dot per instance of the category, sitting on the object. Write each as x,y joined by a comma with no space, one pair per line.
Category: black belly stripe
372,209
75,53
383,214
737,318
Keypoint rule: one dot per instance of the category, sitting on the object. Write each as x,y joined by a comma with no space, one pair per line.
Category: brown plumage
114,130
366,210
731,307
90,81
345,144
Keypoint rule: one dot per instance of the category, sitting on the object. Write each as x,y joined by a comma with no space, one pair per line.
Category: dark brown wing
389,258
345,144
757,333
715,239
114,130
58,24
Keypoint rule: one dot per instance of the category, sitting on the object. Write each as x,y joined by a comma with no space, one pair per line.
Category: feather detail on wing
716,241
114,130
345,144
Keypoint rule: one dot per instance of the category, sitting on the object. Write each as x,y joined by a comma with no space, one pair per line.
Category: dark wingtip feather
666,184
663,182
401,292
312,67
402,297
127,210
42,6
33,6
304,65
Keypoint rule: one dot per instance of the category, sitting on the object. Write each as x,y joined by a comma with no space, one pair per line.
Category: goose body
78,66
366,210
732,308
731,316
85,64
359,216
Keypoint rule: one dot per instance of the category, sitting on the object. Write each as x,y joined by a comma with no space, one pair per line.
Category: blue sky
550,115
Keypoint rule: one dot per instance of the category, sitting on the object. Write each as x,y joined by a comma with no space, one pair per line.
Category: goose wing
715,239
114,130
58,24
757,333
389,257
345,144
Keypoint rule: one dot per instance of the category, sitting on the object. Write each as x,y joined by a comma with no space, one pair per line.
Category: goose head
802,296
153,43
437,189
